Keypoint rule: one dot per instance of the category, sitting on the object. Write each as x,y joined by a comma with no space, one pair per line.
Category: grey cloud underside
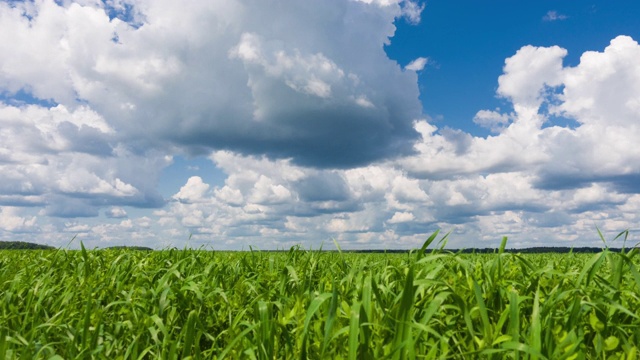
459,138
625,183
332,138
21,200
315,209
549,219
71,208
66,205
463,214
87,140
323,187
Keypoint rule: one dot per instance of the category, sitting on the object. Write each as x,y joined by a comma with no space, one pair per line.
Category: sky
269,124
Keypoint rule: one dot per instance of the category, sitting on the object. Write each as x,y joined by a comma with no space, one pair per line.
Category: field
176,304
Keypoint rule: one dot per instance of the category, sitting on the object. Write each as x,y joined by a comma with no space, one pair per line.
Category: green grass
172,304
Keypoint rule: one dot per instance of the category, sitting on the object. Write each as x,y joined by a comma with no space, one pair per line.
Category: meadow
302,304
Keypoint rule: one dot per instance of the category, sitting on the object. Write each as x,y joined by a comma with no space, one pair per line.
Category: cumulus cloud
193,191
312,74
317,87
70,162
12,221
572,170
528,73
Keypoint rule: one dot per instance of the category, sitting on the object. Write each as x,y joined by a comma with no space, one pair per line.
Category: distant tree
140,248
21,245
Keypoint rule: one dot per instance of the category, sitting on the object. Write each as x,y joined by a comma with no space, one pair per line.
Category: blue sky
270,124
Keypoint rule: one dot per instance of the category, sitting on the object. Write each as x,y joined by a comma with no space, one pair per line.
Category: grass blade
536,328
354,331
426,244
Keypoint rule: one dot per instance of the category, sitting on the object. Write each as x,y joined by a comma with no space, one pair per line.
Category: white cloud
401,217
603,88
364,102
116,213
266,192
412,11
12,221
417,64
74,227
50,156
311,74
230,196
553,15
492,120
528,72
81,181
193,191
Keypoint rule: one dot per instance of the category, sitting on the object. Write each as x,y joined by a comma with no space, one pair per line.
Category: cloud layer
97,96
536,181
319,133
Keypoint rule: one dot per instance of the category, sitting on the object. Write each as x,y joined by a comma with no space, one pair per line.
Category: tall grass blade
403,343
189,334
313,308
234,341
503,245
514,320
3,342
484,315
354,331
590,269
536,327
333,308
426,244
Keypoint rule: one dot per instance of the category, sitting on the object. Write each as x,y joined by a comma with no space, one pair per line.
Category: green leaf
595,322
313,307
611,343
501,339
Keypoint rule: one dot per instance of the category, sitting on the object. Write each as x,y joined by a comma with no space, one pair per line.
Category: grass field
176,304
